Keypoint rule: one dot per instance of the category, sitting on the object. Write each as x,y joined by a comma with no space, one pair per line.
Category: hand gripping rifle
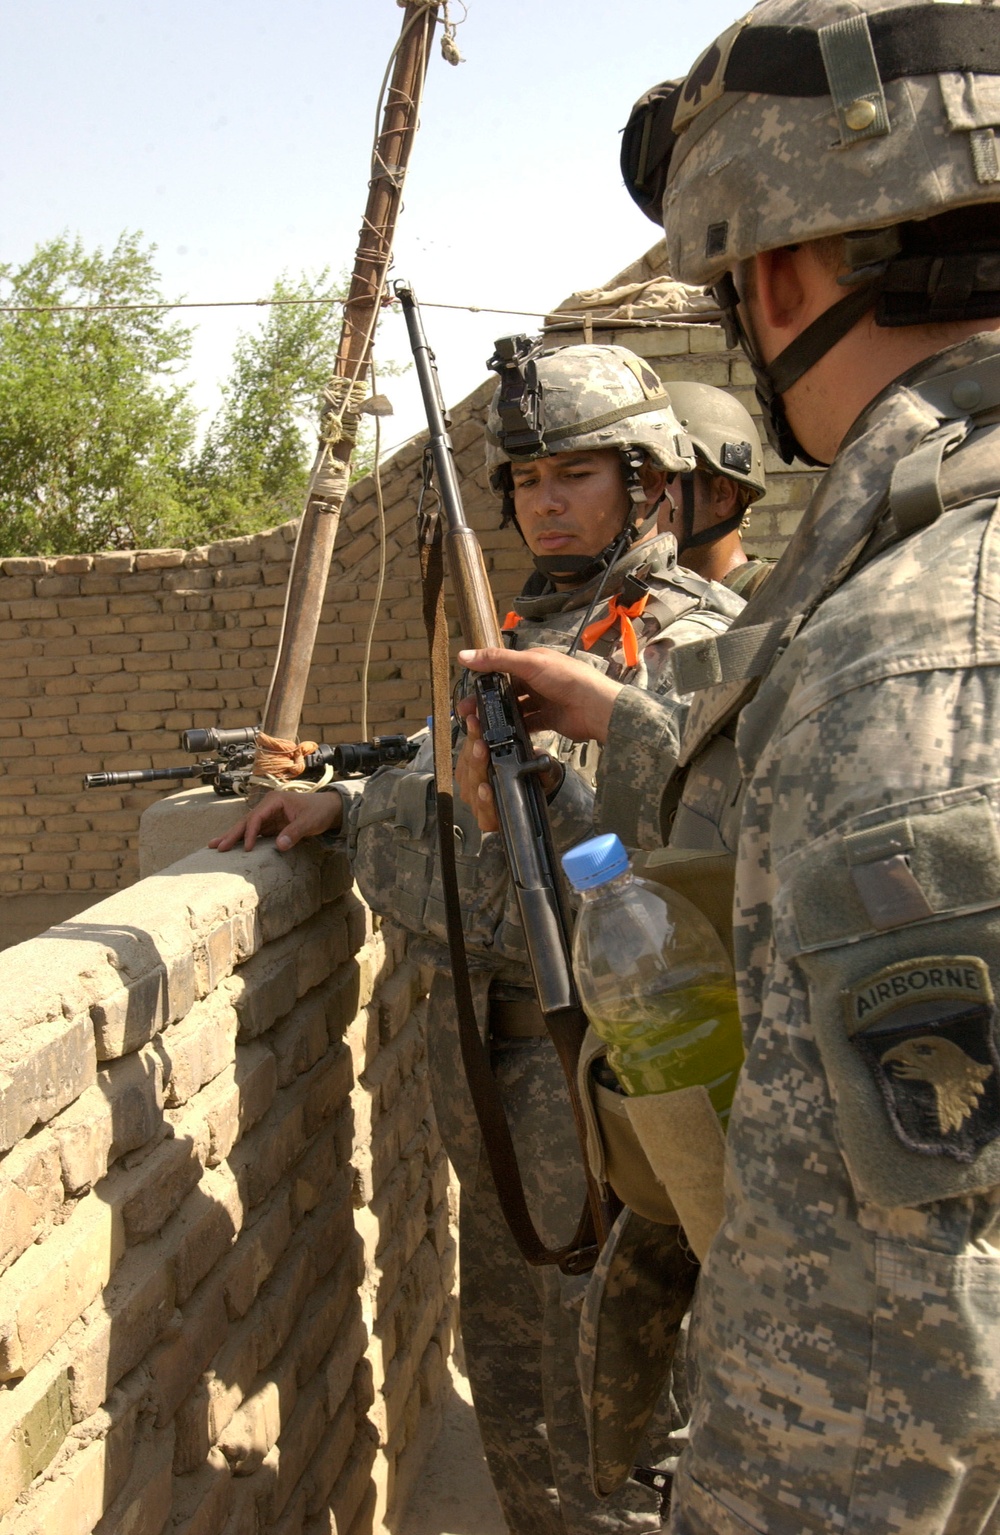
524,827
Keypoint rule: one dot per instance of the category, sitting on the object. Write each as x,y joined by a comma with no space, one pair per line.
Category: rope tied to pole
339,418
278,763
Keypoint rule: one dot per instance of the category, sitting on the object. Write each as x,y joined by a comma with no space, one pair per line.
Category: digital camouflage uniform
519,1324
848,1313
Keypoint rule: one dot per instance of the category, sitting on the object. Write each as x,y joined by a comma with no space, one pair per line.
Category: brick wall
225,1258
106,658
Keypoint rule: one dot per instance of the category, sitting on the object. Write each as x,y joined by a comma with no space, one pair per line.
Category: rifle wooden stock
471,585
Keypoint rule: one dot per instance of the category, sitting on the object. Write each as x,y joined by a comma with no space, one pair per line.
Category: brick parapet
226,1264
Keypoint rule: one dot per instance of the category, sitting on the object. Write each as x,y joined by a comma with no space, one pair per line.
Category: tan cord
377,603
279,764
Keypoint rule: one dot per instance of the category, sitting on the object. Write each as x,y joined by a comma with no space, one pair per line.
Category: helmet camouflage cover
591,397
810,118
723,433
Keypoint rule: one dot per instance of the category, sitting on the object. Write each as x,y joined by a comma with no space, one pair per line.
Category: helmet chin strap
711,535
774,378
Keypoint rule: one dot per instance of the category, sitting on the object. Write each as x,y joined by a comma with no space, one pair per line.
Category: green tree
253,466
94,424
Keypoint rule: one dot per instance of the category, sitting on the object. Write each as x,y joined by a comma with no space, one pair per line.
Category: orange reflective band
511,621
624,616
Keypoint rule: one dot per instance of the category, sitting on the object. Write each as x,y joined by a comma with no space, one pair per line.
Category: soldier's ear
654,481
724,495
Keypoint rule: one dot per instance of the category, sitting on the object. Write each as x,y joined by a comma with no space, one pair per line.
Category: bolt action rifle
521,810
229,772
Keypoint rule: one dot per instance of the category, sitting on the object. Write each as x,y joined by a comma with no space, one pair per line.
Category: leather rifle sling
581,1252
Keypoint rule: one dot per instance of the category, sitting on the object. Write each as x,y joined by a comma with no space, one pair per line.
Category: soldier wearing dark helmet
707,507
832,168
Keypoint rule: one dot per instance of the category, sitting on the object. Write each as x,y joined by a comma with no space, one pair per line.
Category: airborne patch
924,1028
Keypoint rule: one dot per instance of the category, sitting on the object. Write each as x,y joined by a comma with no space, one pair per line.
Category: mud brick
280,1301
198,1048
287,905
348,1347
316,1329
331,1454
193,1442
238,1098
257,1250
201,1498
204,1228
42,1070
348,1494
31,1194
266,987
55,1281
265,1155
300,1039
35,1418
84,1135
133,1089
71,1502
119,1329
315,1172
301,1434
134,1014
147,1195
396,998
197,1334
143,1507
254,1428
342,997
326,1087
292,1521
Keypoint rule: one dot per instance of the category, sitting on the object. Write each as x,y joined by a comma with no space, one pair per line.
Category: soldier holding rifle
585,504
833,169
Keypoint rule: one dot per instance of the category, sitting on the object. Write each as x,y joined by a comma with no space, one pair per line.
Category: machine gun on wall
229,772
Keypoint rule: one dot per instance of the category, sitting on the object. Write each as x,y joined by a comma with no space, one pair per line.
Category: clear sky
236,137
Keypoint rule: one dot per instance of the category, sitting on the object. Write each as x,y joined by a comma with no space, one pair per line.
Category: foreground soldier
849,1310
587,513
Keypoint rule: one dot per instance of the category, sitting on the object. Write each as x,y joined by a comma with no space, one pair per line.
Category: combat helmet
574,398
873,120
726,442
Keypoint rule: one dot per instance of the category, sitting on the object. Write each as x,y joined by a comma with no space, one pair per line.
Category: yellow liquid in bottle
679,1038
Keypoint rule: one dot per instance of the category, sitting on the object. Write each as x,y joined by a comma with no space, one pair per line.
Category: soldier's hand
471,771
556,692
287,817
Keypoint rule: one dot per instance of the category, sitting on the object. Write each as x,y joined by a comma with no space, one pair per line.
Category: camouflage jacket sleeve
863,1153
643,742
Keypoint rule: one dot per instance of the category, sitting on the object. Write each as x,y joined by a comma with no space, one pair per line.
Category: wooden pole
338,427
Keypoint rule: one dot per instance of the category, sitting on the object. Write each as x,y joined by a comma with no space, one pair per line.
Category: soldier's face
570,503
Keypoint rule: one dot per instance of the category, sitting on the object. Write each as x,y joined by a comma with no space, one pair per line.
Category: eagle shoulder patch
925,1030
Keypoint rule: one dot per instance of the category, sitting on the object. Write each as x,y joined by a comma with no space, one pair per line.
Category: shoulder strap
735,656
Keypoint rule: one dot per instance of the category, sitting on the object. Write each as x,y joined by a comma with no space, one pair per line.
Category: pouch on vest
894,921
635,1303
613,1148
707,880
663,1153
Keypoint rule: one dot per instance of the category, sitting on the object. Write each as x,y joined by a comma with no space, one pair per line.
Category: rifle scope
215,739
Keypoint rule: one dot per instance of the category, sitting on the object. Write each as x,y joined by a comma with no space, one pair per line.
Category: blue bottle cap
595,862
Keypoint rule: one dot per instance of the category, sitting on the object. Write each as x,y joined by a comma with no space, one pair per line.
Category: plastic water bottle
654,978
